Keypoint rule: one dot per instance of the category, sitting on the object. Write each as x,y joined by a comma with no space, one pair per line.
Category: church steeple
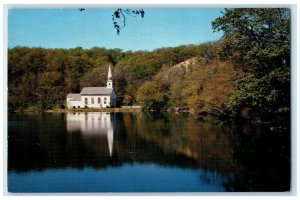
109,79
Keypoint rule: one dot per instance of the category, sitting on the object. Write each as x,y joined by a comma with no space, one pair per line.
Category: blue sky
70,28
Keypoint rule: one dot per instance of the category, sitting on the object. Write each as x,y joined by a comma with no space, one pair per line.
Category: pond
143,152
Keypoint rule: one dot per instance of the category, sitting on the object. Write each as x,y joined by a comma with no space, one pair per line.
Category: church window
104,102
92,100
99,100
105,98
86,100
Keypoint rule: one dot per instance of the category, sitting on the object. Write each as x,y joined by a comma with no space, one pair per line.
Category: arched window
86,100
99,100
92,100
104,98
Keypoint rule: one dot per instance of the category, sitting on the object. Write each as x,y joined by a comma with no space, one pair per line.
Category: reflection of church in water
92,124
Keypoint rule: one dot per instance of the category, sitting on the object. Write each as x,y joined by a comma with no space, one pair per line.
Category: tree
128,100
94,77
50,90
264,97
177,96
151,96
255,38
258,41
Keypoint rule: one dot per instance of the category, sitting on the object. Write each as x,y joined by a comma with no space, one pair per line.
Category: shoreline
112,110
137,110
134,109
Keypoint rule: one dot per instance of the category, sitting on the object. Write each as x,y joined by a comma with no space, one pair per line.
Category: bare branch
120,15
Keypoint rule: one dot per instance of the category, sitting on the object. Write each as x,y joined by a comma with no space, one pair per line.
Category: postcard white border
154,3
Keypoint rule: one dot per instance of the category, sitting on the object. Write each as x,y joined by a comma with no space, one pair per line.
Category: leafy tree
49,90
255,38
128,100
76,71
263,96
151,96
258,41
94,77
177,95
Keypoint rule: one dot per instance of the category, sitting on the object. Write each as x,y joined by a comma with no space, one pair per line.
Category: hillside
40,78
193,85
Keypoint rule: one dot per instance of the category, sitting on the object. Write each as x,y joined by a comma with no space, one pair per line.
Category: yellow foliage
210,86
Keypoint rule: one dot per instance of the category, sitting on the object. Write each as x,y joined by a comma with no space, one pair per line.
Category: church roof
96,90
74,96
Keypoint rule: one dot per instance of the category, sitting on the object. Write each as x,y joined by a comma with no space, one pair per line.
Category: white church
94,97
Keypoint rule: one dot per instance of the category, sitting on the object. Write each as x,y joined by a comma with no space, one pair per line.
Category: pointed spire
109,78
109,72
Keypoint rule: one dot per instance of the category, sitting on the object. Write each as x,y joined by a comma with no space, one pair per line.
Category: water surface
143,152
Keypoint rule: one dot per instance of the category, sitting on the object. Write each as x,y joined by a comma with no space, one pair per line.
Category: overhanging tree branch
119,16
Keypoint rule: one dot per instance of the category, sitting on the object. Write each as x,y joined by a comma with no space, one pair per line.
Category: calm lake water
143,152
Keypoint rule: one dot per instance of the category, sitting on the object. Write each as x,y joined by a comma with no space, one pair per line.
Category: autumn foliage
246,72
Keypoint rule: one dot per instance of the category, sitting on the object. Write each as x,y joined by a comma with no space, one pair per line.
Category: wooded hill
247,71
42,77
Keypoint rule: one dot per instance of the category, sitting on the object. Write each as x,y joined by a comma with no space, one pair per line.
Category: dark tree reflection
261,160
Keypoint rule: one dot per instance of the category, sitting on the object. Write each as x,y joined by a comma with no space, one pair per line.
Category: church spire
109,73
109,78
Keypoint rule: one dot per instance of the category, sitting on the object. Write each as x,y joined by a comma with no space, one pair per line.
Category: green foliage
43,77
258,41
151,95
265,96
256,38
177,96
